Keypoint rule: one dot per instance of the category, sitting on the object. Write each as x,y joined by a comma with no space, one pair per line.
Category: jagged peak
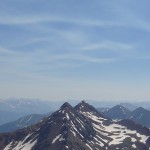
66,105
83,102
83,105
64,110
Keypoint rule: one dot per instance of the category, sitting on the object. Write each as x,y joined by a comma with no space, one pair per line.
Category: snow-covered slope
78,128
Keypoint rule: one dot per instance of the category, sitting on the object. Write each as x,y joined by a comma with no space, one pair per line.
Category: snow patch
67,116
56,138
21,145
88,146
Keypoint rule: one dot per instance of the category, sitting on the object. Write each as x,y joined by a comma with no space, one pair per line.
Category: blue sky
73,49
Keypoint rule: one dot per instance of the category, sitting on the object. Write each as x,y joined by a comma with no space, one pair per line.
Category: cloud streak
109,45
133,22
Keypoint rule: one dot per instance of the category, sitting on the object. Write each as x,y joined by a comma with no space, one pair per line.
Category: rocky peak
85,107
66,105
81,105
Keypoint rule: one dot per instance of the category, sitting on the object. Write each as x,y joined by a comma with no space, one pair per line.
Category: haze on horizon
75,49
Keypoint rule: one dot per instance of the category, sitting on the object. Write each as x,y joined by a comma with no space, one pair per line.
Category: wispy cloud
5,51
133,22
79,57
37,19
31,19
109,45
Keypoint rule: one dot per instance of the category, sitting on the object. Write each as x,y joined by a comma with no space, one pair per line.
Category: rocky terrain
78,128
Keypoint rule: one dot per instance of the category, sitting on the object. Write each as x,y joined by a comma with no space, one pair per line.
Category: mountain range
139,115
21,122
13,109
117,112
78,128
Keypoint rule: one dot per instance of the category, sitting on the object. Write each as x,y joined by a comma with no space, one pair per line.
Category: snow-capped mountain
117,112
78,128
22,122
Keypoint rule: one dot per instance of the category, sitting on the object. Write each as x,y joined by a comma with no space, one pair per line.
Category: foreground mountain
141,116
21,122
78,128
117,112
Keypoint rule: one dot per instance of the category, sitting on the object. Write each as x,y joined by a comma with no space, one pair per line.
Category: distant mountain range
28,106
117,112
18,116
78,128
13,109
21,122
6,116
103,109
139,115
130,107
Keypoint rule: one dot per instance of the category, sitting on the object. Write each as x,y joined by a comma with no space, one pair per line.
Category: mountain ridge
80,128
139,115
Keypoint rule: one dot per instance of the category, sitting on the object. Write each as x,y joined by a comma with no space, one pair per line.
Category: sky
73,49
